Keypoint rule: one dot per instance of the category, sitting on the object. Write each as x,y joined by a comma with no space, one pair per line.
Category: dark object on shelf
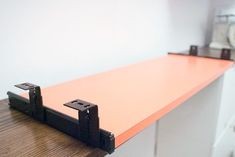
193,50
224,54
86,128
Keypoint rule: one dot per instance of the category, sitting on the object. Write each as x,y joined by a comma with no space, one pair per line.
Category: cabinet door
189,130
225,146
227,107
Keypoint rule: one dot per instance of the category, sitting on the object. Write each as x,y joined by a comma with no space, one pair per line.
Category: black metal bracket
225,54
85,128
88,121
33,106
193,50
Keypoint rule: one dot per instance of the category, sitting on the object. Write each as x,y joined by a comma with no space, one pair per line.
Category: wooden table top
20,135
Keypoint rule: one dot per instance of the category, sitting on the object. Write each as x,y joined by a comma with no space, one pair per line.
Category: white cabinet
189,130
224,145
141,145
227,107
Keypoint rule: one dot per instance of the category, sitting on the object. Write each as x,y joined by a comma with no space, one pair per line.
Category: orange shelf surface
133,97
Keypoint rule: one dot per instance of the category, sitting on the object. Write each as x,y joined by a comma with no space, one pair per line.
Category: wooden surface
20,135
133,97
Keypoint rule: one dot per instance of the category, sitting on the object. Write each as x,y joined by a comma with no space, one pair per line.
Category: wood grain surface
21,135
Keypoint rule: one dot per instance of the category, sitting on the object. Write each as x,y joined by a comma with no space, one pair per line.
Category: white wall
49,41
225,7
224,3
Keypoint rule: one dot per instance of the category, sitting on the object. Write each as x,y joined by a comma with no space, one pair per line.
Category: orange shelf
133,97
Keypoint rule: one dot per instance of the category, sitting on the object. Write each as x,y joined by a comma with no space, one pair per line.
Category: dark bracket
226,54
193,51
86,128
32,107
89,121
